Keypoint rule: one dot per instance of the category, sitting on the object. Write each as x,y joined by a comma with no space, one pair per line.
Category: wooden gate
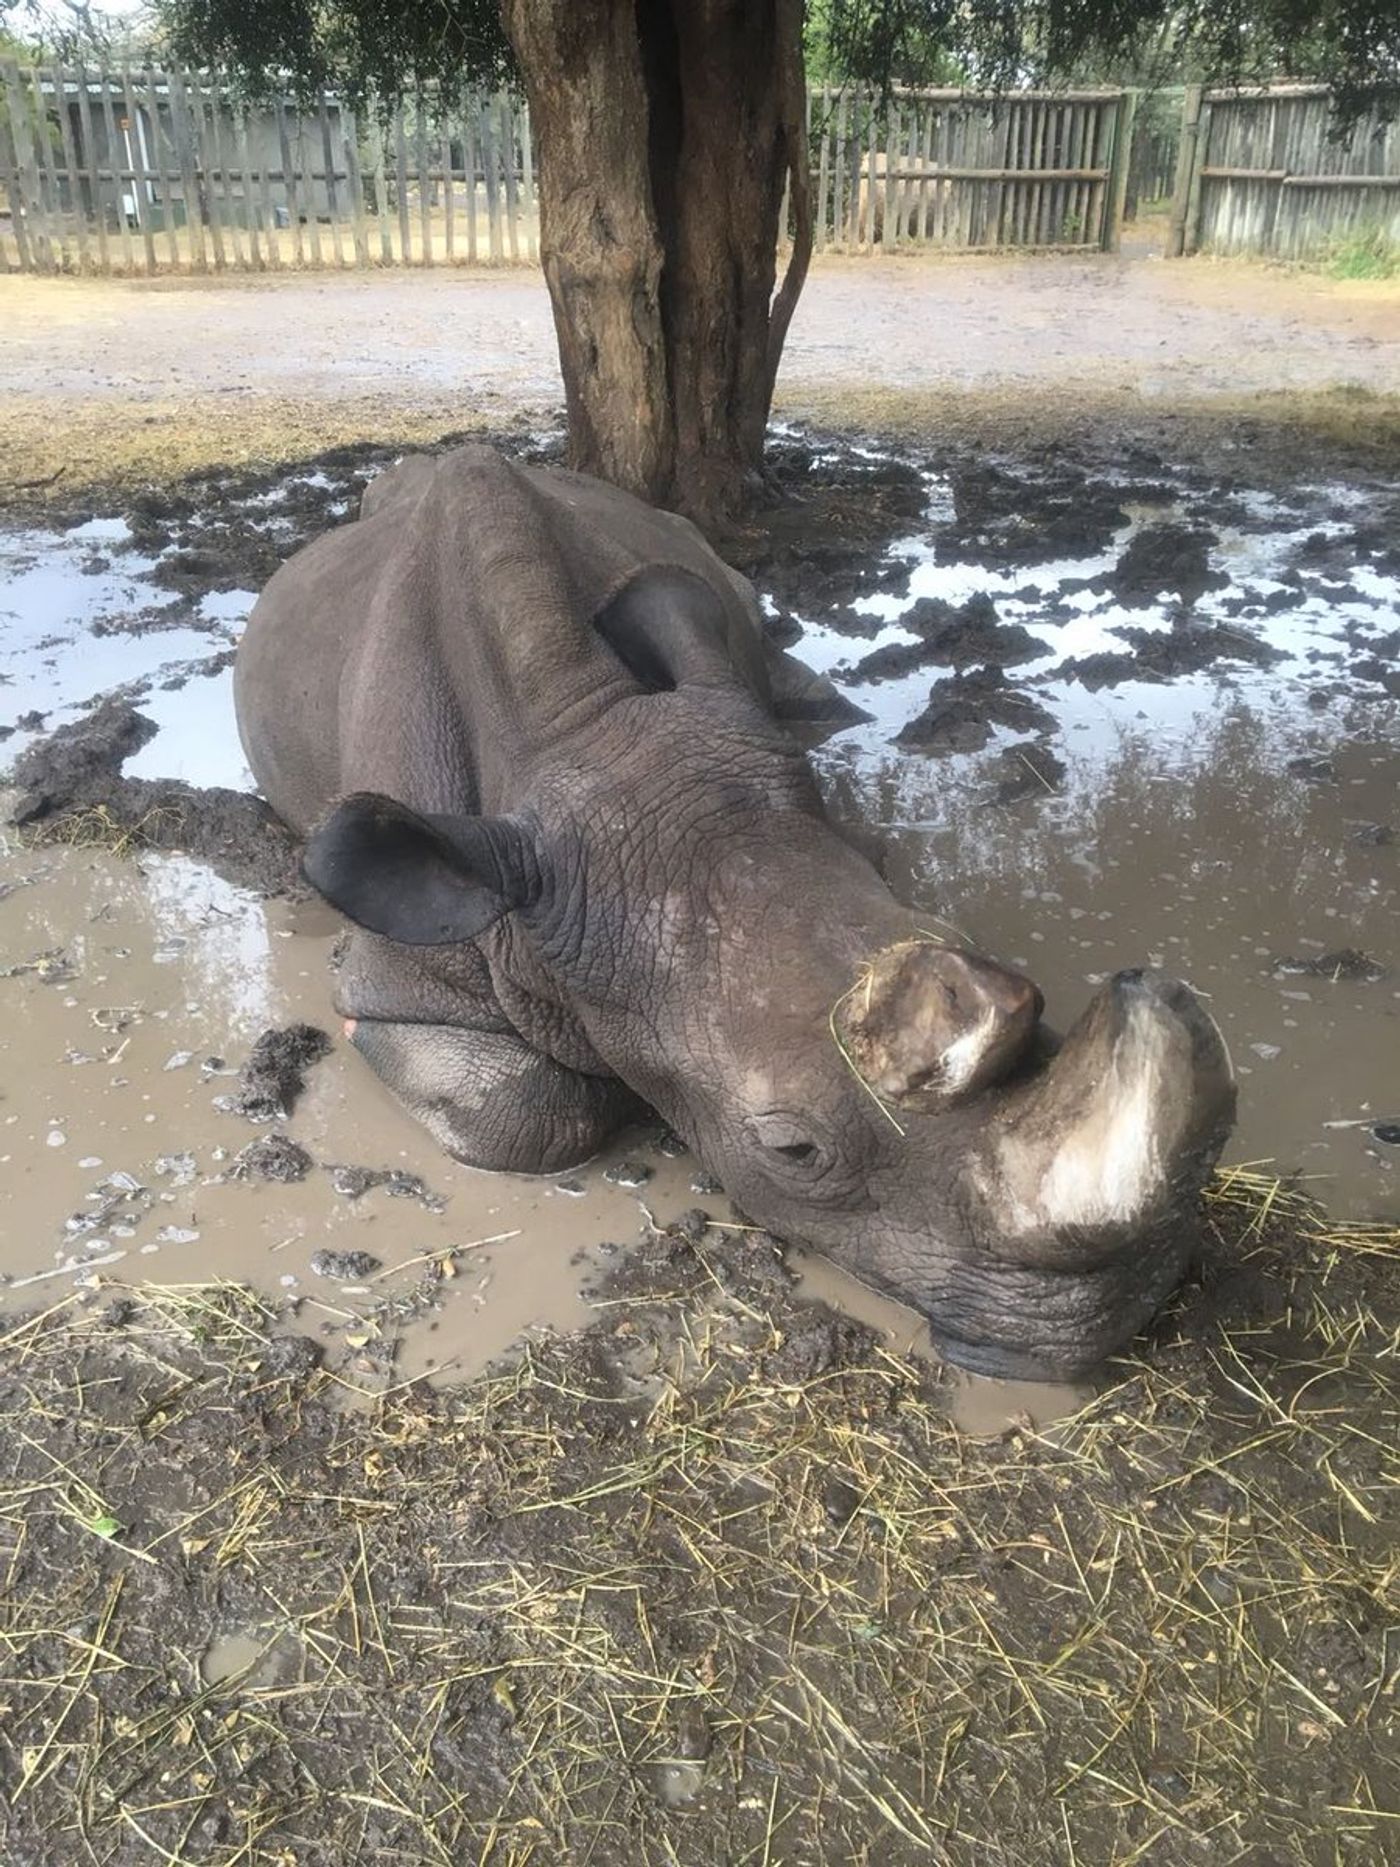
1264,171
969,172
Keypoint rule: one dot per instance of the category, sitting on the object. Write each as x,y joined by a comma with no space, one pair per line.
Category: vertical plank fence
1266,171
157,171
954,170
161,170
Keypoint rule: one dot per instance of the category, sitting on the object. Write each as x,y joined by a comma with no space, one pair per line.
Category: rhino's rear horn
933,1021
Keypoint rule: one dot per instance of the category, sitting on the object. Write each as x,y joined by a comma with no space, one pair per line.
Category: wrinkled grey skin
600,873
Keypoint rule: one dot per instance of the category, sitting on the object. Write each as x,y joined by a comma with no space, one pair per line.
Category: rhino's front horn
936,1022
1108,1147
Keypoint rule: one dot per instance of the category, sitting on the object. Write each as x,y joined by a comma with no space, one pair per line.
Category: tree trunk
667,130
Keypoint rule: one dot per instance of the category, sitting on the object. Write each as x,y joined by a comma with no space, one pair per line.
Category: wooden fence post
290,183
1117,192
182,128
26,203
350,135
26,240
225,146
377,122
1187,163
104,263
323,119
491,175
448,188
401,186
527,176
70,162
205,105
48,173
420,157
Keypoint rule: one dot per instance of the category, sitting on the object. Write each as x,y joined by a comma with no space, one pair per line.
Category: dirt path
104,376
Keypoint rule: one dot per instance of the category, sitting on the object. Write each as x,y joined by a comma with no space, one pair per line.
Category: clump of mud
958,636
71,789
1346,963
1027,770
1166,560
963,710
272,1080
1187,647
1074,514
272,1157
354,1182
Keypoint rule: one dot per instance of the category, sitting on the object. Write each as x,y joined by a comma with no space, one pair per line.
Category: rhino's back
456,609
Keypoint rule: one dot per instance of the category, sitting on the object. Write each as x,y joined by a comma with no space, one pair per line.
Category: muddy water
1181,831
112,1056
1230,826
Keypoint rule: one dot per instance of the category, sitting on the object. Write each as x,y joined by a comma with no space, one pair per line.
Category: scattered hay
95,827
1253,1195
718,1580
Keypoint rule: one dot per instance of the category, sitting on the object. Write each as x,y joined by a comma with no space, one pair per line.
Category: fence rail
1266,171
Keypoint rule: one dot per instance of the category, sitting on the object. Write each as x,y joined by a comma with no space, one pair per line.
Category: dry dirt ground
104,379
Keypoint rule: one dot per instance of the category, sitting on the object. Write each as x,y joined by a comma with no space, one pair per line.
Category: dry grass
1363,426
710,1584
56,448
94,827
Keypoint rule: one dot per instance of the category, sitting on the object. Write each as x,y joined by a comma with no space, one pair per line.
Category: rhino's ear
667,627
424,881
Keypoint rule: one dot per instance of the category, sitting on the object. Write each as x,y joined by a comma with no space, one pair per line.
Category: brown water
105,1072
1179,837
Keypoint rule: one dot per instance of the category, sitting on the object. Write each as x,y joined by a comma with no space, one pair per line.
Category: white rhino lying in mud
530,729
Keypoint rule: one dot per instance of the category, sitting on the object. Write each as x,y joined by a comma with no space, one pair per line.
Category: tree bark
667,130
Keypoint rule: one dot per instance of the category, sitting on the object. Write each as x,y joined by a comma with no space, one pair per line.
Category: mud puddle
142,987
80,618
1119,715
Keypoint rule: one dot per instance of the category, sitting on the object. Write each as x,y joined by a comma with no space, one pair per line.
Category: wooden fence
1264,171
955,170
150,171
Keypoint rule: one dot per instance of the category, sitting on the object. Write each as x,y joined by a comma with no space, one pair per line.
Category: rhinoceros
533,733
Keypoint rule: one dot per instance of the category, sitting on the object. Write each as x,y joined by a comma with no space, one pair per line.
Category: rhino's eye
785,1138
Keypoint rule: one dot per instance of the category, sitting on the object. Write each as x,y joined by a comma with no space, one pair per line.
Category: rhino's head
860,1081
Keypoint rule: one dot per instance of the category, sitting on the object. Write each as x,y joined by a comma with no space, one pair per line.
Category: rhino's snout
1083,1186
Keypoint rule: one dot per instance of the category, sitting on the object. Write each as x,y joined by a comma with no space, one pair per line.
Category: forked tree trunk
667,131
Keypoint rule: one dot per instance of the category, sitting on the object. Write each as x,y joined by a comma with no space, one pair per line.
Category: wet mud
1103,711
169,1113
